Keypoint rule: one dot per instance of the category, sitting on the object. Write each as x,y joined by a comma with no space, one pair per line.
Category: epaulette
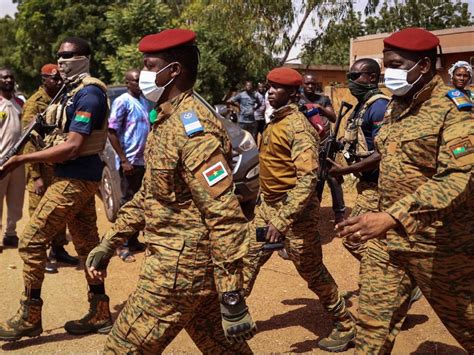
461,101
191,123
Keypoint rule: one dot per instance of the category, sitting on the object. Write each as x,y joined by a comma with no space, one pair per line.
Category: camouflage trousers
151,320
367,201
303,245
33,202
384,300
445,277
66,201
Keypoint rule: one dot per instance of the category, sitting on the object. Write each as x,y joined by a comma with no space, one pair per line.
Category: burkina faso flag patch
461,148
215,173
82,116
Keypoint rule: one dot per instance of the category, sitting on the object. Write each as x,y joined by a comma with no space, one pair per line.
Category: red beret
165,40
49,69
285,76
412,40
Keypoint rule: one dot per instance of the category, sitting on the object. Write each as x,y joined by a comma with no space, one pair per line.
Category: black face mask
360,90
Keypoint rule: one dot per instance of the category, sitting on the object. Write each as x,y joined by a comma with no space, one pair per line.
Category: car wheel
110,197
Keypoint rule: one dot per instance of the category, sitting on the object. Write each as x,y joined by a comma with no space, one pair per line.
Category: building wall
456,43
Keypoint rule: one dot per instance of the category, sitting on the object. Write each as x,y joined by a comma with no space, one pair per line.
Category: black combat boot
98,320
62,256
26,322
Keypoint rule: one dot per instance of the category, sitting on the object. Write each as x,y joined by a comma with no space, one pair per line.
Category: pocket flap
201,154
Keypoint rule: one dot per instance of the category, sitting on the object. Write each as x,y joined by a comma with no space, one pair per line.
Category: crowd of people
411,227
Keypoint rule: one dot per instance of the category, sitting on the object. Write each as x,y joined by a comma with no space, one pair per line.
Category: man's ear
425,65
373,78
175,69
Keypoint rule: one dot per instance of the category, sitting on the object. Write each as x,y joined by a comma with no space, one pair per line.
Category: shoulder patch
215,173
461,101
191,123
461,147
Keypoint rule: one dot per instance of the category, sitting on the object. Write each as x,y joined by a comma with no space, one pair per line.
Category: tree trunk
308,11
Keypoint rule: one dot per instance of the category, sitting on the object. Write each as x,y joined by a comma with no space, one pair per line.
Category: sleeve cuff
401,212
228,283
280,224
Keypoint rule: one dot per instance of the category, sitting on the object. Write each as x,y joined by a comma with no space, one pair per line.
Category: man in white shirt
12,186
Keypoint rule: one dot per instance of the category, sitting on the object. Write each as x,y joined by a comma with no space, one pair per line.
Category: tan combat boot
344,331
26,322
98,320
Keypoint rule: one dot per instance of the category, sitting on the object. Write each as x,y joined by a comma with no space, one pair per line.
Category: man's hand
237,323
336,169
39,186
98,260
273,235
127,167
367,226
11,164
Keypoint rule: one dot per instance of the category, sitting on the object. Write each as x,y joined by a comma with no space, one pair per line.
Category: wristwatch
231,298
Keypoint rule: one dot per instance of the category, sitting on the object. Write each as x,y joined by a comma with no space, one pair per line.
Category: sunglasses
354,75
65,55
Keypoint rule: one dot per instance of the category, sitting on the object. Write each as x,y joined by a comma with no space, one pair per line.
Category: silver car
244,164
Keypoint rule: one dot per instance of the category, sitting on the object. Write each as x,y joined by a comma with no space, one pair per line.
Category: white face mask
396,80
147,83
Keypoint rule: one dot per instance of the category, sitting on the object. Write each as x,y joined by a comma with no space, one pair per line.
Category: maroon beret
166,39
285,76
412,40
49,69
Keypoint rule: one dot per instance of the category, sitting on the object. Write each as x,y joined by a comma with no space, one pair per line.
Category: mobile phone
261,233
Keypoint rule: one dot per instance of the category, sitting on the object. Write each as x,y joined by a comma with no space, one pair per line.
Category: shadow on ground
44,338
310,315
437,348
412,320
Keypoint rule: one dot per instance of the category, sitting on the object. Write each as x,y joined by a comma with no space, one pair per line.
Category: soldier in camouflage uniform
361,129
289,207
194,228
81,119
426,205
39,176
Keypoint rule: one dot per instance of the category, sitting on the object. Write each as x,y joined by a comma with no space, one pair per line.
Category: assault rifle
37,124
329,148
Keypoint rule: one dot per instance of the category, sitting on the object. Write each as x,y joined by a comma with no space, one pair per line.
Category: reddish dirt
289,317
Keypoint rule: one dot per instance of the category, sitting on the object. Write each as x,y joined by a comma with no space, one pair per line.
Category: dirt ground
289,317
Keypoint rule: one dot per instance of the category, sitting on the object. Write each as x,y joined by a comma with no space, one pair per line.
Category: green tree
43,24
7,41
429,14
126,25
332,45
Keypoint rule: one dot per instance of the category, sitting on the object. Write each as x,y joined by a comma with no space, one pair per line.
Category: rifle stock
329,149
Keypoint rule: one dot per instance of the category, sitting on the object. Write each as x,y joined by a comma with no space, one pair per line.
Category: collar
166,109
282,112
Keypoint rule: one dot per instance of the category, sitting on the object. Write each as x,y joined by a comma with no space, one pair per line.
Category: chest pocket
420,147
163,175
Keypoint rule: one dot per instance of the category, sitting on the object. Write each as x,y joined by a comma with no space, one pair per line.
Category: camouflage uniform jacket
288,164
193,224
426,181
37,103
